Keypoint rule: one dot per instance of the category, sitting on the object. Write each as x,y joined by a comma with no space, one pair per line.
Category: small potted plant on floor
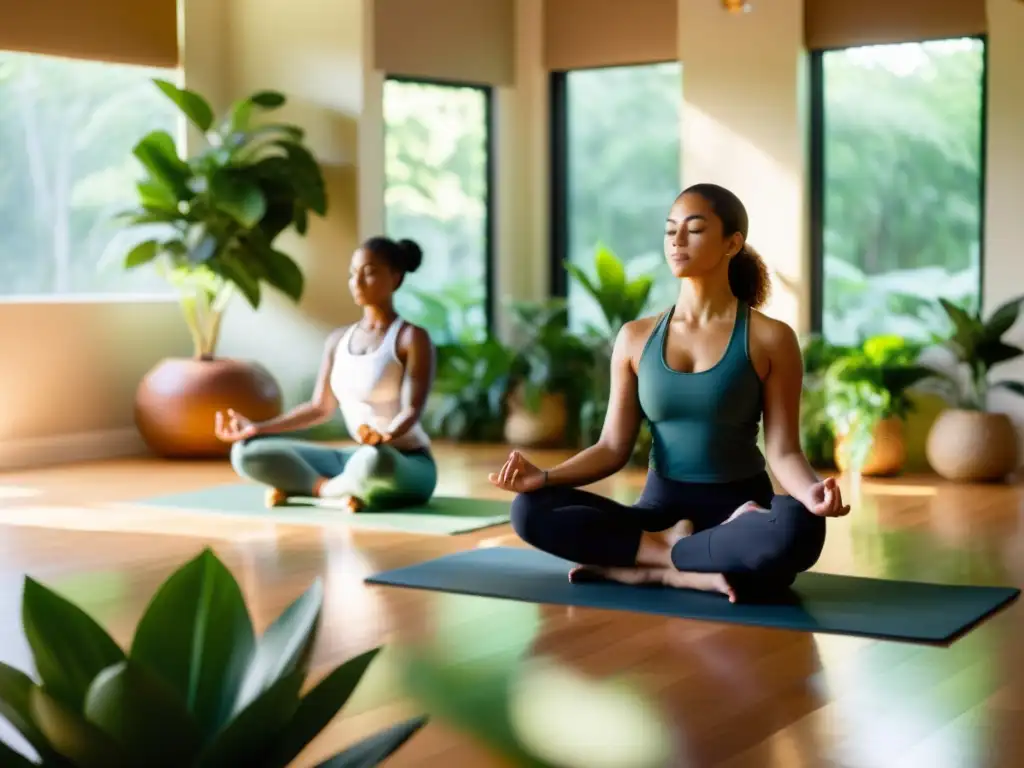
867,399
211,222
551,370
967,442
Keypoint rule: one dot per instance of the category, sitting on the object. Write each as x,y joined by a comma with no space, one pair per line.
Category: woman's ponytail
748,277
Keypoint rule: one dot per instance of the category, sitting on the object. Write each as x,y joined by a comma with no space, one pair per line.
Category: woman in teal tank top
703,373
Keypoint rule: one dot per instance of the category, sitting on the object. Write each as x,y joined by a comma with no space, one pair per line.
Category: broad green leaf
144,715
15,704
636,293
305,176
992,353
68,646
610,272
1002,319
373,751
966,328
318,708
240,274
283,274
143,253
85,745
268,99
1014,386
192,105
155,195
285,646
582,278
245,739
11,759
301,219
238,196
159,155
196,634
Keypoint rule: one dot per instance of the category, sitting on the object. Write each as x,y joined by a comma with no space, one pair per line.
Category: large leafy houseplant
816,432
621,299
196,687
977,346
867,385
968,442
219,212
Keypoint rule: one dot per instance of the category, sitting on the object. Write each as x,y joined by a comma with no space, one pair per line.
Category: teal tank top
704,425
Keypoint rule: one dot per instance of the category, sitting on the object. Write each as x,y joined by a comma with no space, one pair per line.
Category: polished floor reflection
723,695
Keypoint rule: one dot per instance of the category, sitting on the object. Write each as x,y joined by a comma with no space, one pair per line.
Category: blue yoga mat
817,602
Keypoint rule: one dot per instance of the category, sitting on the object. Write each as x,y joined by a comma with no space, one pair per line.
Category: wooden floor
734,696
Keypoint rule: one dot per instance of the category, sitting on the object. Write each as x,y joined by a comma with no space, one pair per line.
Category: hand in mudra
367,435
518,475
824,499
233,427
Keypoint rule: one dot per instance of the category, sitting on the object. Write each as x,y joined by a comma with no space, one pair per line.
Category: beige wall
743,127
1004,194
71,367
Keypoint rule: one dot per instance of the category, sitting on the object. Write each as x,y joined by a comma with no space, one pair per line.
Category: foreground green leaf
247,737
143,253
16,706
85,745
159,155
285,647
197,635
374,750
68,646
144,715
318,708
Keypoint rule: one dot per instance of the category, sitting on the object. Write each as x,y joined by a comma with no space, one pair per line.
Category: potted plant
867,394
967,442
211,223
816,435
196,687
621,299
549,372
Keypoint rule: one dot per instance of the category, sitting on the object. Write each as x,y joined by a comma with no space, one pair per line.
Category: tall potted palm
967,442
210,224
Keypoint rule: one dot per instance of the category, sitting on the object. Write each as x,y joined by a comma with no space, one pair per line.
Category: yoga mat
818,602
444,515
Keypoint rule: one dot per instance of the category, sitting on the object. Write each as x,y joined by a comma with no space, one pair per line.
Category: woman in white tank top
378,372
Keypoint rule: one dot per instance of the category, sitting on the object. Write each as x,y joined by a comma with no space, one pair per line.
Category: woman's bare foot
351,504
750,506
275,497
656,546
670,577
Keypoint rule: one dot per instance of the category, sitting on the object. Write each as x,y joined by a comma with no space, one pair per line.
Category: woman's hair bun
412,254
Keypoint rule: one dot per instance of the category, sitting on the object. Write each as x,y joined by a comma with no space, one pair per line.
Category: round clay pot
547,426
972,446
888,451
176,403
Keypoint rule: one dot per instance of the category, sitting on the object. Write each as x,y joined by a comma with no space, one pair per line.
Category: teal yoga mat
817,602
444,515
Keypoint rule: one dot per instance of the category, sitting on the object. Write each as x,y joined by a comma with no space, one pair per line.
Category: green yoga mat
817,602
444,515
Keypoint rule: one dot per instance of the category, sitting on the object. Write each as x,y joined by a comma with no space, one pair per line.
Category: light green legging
380,477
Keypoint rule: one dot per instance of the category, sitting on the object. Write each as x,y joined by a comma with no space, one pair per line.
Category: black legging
756,552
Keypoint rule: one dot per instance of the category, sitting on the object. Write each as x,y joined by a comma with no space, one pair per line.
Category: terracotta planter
546,427
888,451
176,403
972,446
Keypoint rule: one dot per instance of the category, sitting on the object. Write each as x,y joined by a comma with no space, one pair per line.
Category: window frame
816,175
169,296
558,171
490,173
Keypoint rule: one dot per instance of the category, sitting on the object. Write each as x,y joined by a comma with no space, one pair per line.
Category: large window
899,139
67,128
617,171
437,192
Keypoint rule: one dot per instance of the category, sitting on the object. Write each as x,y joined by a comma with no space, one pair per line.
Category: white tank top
369,387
